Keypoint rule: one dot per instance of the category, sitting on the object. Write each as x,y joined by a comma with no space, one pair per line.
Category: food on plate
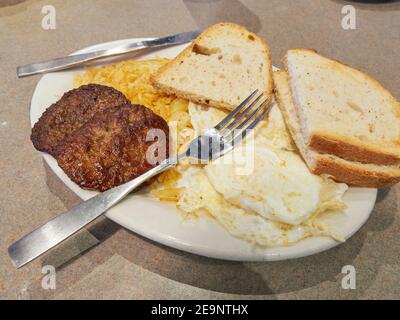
363,117
220,68
343,122
351,172
68,114
200,197
132,78
278,201
113,147
275,188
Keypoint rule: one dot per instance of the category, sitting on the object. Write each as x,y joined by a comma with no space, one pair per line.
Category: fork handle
66,224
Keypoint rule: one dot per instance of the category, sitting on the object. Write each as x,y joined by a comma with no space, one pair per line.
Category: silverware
79,59
209,146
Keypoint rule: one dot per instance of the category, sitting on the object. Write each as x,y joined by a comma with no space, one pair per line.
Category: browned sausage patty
68,114
111,148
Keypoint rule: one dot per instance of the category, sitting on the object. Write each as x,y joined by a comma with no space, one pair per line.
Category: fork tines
244,118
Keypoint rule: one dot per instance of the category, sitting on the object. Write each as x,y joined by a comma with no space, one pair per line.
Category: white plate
163,223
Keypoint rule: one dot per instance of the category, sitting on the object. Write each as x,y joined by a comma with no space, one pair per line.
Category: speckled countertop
107,261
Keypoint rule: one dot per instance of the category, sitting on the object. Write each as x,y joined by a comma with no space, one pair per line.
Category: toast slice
342,111
350,172
220,68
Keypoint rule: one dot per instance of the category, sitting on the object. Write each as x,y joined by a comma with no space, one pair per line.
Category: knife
79,59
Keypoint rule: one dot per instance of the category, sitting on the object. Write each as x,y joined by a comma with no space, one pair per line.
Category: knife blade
79,59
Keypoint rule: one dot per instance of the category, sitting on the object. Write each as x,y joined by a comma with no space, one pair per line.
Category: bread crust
351,148
341,170
344,171
200,99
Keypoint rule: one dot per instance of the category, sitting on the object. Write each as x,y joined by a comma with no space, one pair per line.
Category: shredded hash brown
132,78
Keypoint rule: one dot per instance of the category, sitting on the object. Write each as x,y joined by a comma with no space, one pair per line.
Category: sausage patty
68,114
111,148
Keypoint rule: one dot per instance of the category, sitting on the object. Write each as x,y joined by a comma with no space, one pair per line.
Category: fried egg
261,191
199,195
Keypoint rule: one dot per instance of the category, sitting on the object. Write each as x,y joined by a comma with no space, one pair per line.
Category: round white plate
163,223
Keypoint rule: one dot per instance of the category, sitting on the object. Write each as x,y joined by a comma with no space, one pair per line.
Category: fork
212,144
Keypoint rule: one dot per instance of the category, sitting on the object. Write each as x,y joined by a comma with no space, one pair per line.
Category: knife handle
66,224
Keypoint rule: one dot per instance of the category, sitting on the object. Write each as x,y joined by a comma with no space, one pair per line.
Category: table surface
107,261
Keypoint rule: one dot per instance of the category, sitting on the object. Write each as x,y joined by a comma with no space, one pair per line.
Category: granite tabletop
107,261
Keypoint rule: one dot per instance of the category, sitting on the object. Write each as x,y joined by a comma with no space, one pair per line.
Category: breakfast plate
163,222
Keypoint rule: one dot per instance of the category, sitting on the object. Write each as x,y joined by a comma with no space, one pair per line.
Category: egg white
277,202
199,194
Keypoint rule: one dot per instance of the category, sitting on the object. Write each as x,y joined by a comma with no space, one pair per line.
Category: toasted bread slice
342,111
220,68
350,172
